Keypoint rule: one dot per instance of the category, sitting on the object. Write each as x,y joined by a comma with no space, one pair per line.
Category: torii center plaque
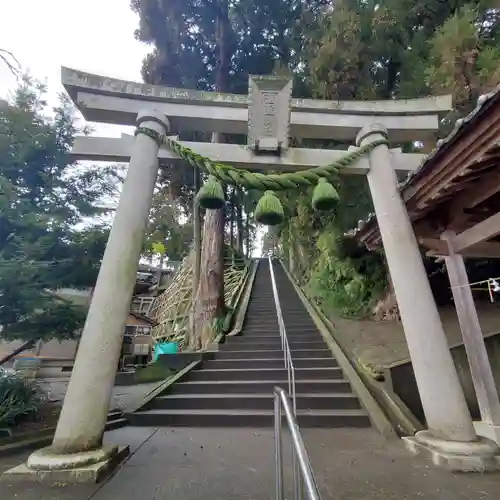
269,108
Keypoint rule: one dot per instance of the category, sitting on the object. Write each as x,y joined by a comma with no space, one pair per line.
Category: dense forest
347,49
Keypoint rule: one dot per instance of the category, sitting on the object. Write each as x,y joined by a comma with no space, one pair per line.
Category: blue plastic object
165,348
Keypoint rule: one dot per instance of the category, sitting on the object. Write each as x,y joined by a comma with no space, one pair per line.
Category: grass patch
153,372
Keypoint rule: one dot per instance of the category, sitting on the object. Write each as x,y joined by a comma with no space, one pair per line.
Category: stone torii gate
268,116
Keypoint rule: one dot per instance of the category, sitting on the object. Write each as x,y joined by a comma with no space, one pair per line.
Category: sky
89,35
96,36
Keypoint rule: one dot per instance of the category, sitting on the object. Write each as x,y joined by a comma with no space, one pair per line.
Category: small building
60,355
138,343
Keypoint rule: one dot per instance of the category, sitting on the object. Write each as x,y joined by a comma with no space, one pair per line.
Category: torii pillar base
488,430
46,467
476,456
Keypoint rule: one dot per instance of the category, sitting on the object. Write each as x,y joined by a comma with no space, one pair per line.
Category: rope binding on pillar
210,196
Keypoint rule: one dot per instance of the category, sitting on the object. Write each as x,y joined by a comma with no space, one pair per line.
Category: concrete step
248,364
321,401
115,420
263,374
247,338
294,326
258,319
290,327
273,353
265,307
274,332
261,320
256,332
259,386
257,344
268,314
247,418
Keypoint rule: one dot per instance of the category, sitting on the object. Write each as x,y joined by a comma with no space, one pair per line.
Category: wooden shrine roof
456,186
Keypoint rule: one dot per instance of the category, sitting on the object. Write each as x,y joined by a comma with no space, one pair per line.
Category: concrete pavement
238,464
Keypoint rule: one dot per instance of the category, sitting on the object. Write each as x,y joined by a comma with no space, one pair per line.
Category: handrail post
287,355
304,483
278,448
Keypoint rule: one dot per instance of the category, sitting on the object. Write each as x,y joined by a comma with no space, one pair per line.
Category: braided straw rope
256,180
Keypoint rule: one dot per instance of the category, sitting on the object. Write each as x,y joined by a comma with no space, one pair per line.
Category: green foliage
464,56
153,372
348,49
19,398
218,325
346,284
169,225
381,50
44,197
258,37
338,276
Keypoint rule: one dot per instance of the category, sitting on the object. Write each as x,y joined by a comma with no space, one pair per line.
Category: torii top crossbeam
108,100
267,116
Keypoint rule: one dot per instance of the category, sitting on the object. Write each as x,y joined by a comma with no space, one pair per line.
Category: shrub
19,398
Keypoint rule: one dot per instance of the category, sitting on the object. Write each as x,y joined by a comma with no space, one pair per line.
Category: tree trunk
291,259
247,234
159,272
209,300
231,222
239,222
19,350
387,308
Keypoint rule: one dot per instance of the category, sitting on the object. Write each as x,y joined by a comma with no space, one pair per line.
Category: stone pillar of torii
268,116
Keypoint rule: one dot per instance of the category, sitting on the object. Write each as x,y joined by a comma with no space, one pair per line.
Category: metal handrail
285,346
304,481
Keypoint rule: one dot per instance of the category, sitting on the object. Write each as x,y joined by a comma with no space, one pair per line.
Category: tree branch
15,68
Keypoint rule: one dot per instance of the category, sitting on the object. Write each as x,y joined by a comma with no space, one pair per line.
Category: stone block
61,475
482,455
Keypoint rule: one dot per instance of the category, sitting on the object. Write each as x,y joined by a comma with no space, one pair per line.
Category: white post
84,413
482,375
443,401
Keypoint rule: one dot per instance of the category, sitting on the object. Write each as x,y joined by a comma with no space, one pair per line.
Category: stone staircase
236,387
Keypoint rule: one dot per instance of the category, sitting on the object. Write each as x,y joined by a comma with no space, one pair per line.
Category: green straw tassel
211,194
269,210
325,196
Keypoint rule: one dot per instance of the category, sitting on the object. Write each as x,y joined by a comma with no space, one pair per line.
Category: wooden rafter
484,250
468,148
479,233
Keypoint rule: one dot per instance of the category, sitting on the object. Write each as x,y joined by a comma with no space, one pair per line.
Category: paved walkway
238,464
